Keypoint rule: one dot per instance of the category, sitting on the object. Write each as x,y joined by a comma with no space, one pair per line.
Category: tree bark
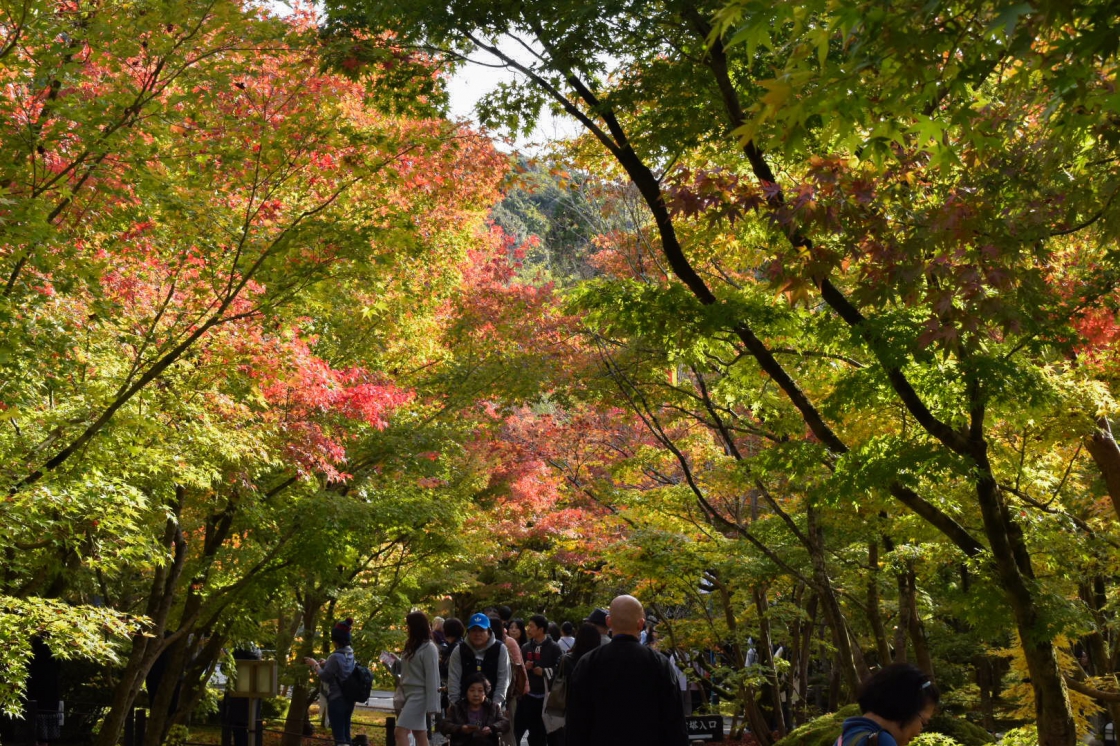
1102,446
982,665
830,605
198,673
303,692
145,648
902,623
1012,565
917,630
804,657
1094,596
835,681
874,613
217,529
766,657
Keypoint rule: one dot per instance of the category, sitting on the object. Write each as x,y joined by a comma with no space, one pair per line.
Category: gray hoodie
338,667
455,670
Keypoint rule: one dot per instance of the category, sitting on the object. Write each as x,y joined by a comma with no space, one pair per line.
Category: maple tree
821,310
929,188
218,255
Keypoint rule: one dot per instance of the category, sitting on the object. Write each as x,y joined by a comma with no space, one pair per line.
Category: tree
918,230
204,348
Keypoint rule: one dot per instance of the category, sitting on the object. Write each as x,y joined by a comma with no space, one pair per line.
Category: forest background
809,339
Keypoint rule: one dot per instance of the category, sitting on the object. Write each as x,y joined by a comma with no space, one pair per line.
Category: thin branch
1045,508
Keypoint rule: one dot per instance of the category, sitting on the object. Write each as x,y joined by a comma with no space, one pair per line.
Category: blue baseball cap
479,620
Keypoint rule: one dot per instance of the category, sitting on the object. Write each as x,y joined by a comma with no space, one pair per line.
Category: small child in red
474,720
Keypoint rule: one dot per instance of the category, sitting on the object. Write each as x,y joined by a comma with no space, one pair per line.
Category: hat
340,633
597,617
479,620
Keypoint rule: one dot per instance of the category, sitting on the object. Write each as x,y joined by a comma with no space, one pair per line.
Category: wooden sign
704,728
256,680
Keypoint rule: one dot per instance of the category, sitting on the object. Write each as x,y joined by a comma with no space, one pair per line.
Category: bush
207,704
944,730
964,732
1025,736
275,708
821,731
929,738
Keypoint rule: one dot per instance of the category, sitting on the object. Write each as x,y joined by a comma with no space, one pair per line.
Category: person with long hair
516,630
586,640
419,681
896,704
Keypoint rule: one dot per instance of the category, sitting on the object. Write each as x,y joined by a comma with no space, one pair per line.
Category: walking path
379,701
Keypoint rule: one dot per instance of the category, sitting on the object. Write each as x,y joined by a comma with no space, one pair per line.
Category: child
475,720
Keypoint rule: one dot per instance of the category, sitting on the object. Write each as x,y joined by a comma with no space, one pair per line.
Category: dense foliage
865,318
809,342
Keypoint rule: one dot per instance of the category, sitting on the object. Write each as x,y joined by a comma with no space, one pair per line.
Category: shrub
929,738
822,731
964,732
944,730
1024,736
275,708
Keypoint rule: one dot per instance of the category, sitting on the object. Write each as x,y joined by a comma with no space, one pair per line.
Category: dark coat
457,717
545,655
624,692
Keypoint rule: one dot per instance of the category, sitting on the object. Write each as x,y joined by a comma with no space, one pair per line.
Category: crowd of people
496,679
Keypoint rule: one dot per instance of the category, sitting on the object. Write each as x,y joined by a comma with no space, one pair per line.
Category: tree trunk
874,613
917,630
145,649
754,715
902,623
984,674
804,657
1105,452
182,651
288,629
197,675
835,681
159,709
845,657
303,693
1013,569
746,693
766,657
1094,595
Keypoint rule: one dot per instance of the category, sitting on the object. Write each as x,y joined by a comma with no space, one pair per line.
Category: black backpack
358,686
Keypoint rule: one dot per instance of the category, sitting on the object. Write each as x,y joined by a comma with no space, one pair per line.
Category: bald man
624,692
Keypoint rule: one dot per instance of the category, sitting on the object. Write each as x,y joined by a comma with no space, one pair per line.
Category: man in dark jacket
624,692
542,655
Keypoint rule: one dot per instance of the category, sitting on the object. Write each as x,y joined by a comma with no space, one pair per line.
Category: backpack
863,736
358,686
